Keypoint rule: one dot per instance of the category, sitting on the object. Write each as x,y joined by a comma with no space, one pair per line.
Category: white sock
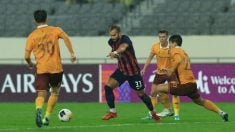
167,110
113,110
221,113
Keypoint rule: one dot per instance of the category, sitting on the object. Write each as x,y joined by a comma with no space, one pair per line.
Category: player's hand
155,71
163,71
73,58
30,65
142,72
113,55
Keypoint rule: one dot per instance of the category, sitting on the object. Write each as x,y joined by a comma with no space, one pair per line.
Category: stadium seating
92,17
191,17
84,19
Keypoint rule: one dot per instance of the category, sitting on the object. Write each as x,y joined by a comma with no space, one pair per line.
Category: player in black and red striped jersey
127,70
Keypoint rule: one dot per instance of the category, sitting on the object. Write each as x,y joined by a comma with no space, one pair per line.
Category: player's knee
41,93
140,93
55,91
153,93
162,89
199,101
112,83
157,91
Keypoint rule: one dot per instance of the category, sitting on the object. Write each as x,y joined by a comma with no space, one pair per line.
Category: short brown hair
163,31
115,27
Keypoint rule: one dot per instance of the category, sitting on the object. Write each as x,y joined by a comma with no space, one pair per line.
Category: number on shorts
138,84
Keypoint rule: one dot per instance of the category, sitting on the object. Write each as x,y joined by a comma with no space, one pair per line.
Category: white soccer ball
65,115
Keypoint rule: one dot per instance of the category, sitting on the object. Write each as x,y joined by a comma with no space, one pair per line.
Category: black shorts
46,80
136,81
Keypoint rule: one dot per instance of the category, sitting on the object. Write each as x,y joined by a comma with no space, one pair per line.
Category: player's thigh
136,82
153,91
194,95
160,78
199,100
189,89
42,82
56,80
116,79
162,89
113,83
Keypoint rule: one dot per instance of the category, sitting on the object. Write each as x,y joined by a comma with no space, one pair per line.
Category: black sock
147,101
109,96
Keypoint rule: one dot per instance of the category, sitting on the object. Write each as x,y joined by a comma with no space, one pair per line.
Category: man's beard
115,40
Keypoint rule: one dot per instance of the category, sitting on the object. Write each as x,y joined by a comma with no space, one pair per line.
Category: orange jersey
180,62
162,57
43,42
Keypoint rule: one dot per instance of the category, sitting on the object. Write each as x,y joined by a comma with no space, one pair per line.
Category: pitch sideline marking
100,126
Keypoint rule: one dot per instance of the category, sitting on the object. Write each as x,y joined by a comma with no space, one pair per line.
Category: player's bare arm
68,44
117,52
28,59
148,61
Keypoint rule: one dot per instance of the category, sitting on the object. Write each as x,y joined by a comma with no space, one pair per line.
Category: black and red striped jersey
127,62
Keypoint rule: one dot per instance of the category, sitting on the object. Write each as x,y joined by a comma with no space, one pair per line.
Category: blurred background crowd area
136,17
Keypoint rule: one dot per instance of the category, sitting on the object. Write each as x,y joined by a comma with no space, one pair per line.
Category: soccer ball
65,115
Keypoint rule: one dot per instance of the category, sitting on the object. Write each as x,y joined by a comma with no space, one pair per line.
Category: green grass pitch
87,118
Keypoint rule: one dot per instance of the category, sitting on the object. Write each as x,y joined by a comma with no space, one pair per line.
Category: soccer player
186,86
43,42
162,53
127,70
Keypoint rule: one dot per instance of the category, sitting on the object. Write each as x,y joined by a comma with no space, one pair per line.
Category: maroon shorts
189,89
46,80
161,78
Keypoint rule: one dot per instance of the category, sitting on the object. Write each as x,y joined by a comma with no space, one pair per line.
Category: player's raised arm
68,44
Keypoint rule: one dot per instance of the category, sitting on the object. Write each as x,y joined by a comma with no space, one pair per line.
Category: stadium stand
92,17
88,18
191,17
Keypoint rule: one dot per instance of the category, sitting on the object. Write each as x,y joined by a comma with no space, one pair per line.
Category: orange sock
154,102
211,106
176,104
39,101
165,101
51,104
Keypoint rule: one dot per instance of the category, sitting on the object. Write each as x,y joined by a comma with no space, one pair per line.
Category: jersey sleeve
29,44
175,60
126,40
60,31
110,42
153,49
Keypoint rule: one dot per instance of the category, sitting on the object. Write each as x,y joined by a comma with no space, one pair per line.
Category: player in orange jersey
186,85
43,42
162,53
